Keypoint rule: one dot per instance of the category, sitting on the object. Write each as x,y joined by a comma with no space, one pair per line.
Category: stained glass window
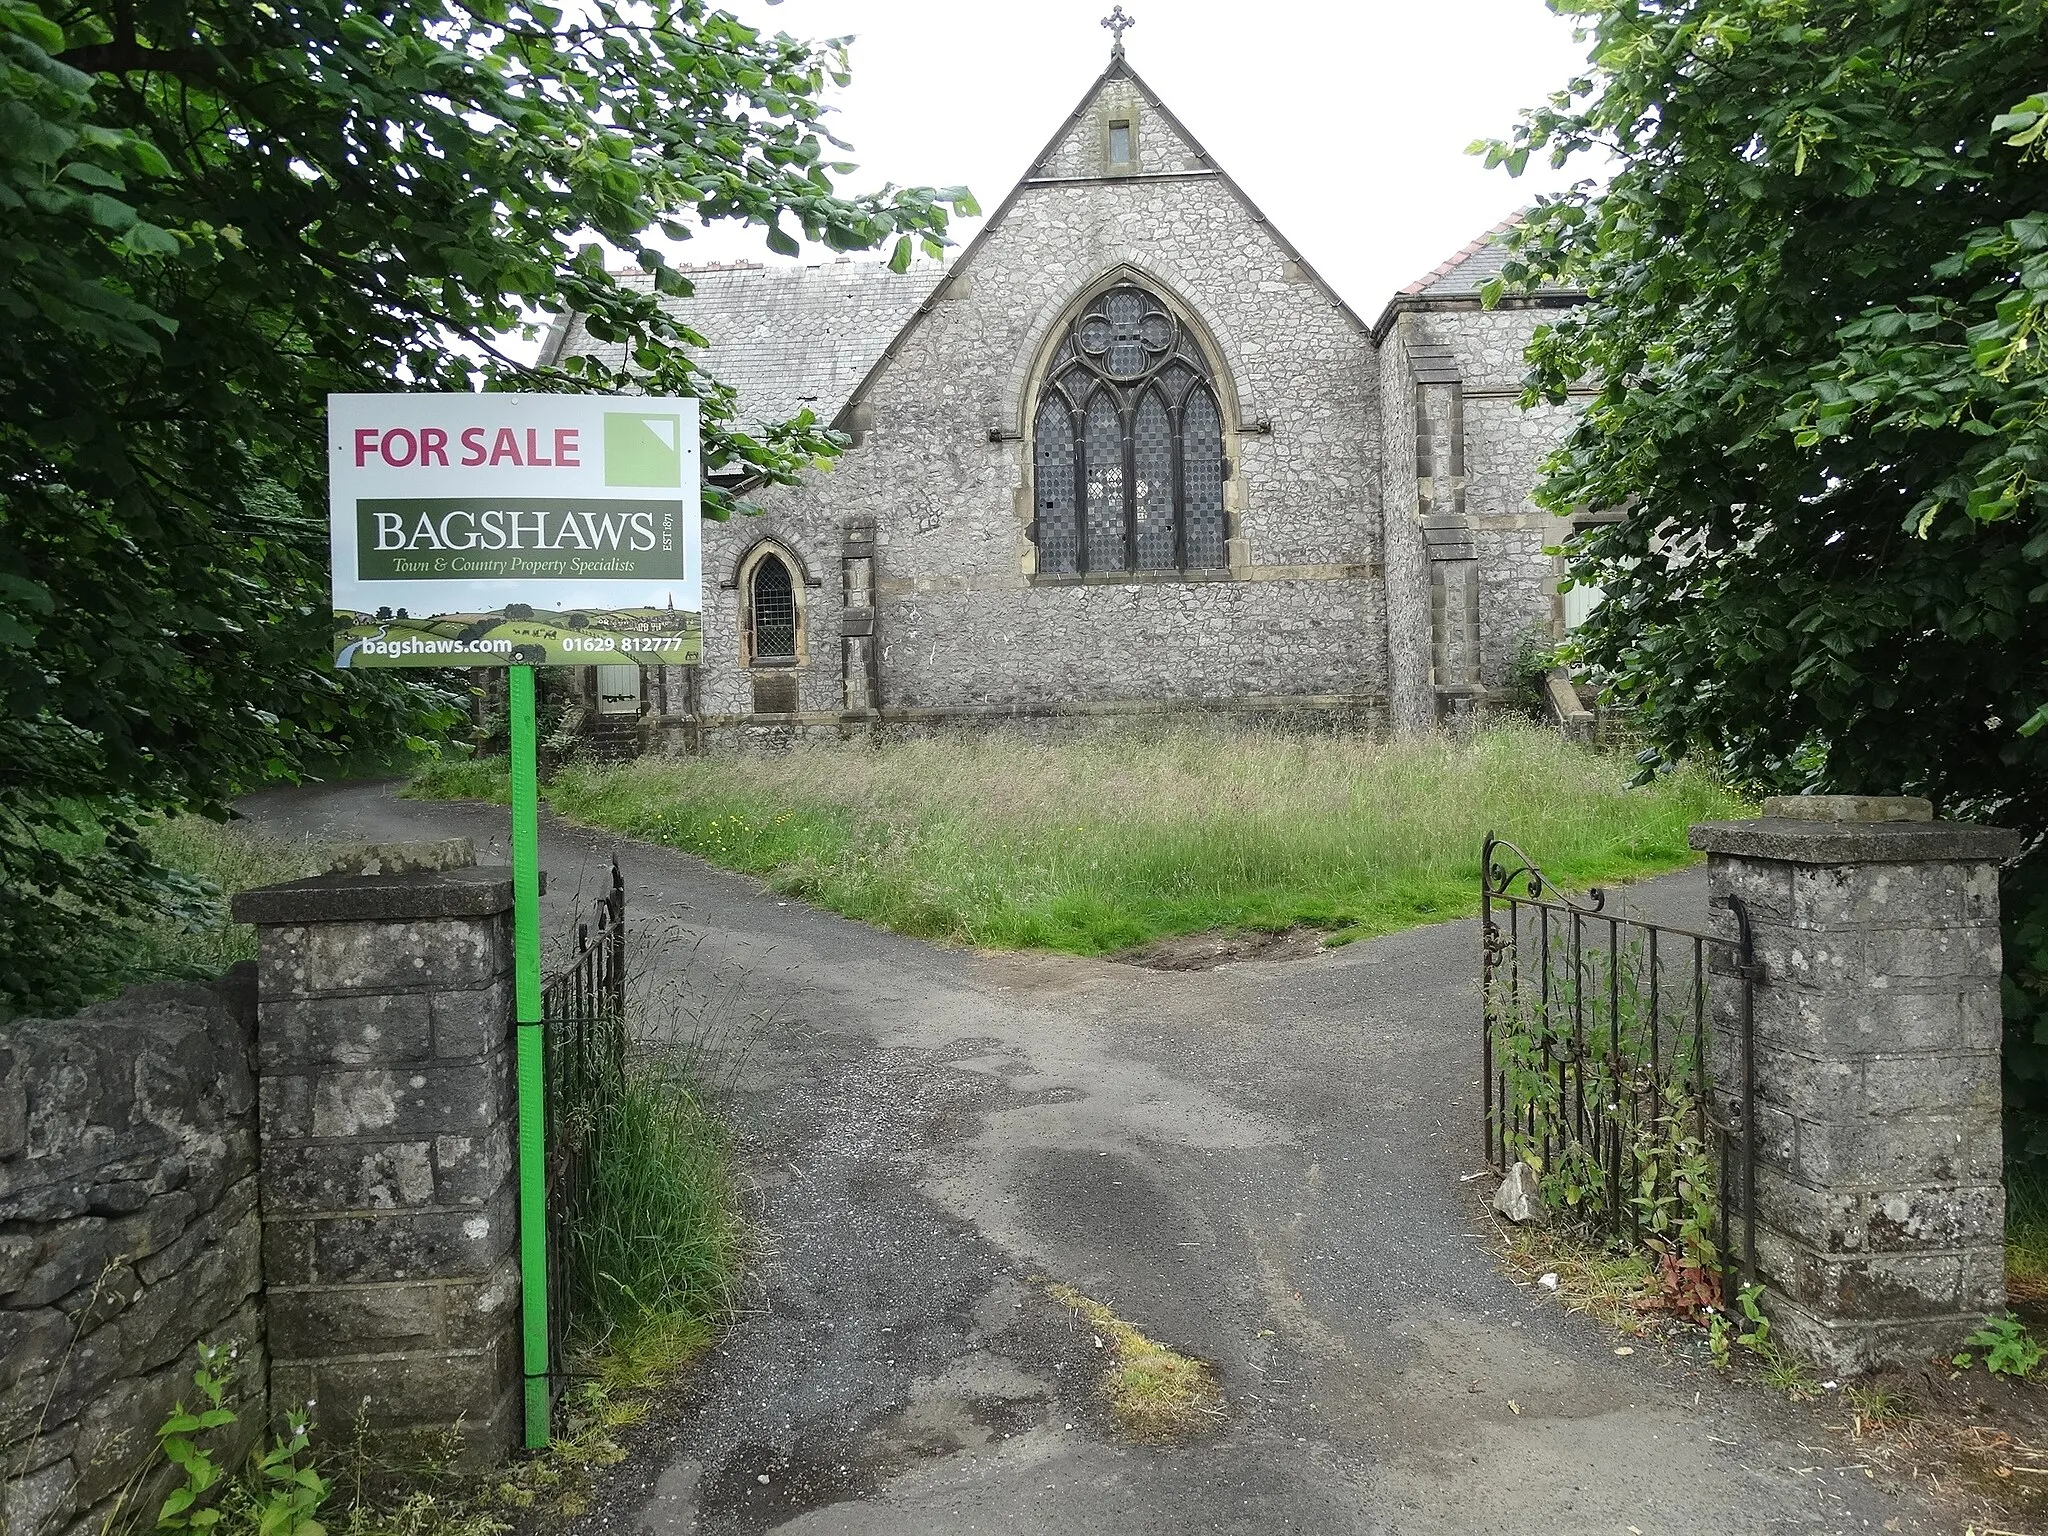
1128,445
1152,457
1103,444
1059,550
1202,480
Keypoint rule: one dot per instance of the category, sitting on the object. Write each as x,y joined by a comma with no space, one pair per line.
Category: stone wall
388,1111
1411,707
1875,1030
1371,569
128,1235
943,462
1505,446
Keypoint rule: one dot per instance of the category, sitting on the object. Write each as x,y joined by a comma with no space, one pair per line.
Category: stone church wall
799,520
961,623
1384,561
1504,450
1412,707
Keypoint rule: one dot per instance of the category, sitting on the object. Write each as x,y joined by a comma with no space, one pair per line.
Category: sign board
498,530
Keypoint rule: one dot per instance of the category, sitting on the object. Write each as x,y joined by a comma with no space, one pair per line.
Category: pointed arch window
772,611
1128,445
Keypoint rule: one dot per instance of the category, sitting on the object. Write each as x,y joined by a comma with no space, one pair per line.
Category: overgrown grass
224,859
191,936
1154,1393
658,1248
2026,1245
1102,841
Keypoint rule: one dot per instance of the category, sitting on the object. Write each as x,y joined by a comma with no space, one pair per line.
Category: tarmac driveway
1261,1164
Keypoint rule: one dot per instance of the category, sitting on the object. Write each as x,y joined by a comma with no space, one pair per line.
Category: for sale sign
487,530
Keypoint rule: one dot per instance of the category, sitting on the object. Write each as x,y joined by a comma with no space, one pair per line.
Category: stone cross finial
1118,23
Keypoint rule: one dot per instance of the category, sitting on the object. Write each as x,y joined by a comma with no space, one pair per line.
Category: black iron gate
1606,1069
583,1013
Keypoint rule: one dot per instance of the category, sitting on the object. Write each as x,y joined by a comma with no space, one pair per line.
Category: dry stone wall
128,1236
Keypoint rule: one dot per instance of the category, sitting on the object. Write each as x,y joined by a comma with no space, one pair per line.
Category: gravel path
1260,1164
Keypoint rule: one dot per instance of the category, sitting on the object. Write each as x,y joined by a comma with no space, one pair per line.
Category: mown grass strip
1101,841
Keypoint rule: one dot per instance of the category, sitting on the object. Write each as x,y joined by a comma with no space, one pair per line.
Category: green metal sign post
531,1058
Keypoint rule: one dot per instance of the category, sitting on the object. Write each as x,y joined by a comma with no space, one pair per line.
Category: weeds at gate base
2008,1349
1634,1083
659,1263
1601,1082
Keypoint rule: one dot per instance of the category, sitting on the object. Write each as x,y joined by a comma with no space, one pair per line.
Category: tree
214,212
1816,281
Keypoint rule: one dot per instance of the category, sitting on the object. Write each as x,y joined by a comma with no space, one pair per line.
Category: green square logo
642,450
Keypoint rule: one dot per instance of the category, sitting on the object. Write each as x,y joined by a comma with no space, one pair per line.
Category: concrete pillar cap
1850,808
414,858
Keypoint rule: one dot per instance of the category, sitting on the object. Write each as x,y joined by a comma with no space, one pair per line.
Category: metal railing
1604,1068
583,1016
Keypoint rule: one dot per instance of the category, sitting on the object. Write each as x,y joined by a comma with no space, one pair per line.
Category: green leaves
277,1496
2008,1348
2023,125
214,213
1817,281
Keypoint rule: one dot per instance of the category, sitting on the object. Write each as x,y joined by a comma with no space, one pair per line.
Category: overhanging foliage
1817,278
215,212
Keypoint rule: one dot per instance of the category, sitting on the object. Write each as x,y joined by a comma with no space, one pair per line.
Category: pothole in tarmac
761,1486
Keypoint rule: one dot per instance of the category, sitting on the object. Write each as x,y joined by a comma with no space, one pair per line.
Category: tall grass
2026,1244
658,1244
1101,841
188,935
221,859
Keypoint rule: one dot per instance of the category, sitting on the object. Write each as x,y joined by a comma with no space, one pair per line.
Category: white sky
1346,121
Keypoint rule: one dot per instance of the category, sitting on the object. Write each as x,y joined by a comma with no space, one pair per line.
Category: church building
1126,453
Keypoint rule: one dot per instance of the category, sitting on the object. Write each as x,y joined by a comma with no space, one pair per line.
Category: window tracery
1128,445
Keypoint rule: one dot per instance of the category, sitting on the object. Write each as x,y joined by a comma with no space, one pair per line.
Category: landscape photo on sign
492,530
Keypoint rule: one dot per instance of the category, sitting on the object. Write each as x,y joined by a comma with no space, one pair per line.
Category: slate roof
785,337
1469,268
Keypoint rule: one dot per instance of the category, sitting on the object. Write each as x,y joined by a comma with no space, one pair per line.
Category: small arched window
1128,445
771,608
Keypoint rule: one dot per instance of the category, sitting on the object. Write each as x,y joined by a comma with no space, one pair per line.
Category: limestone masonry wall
128,1235
1504,449
385,1062
960,620
1880,1204
1376,569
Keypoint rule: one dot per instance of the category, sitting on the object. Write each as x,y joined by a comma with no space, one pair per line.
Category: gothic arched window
1128,445
772,611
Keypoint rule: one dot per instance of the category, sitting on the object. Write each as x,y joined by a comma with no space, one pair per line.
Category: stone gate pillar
387,1148
1880,1202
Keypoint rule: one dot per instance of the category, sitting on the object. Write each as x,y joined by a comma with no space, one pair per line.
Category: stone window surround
1221,383
1120,115
742,582
1578,521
